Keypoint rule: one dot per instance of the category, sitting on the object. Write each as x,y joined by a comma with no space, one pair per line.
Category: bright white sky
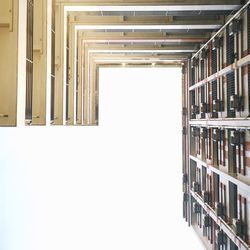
112,187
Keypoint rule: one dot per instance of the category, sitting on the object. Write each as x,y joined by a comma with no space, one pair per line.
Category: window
231,152
223,199
232,201
216,183
204,176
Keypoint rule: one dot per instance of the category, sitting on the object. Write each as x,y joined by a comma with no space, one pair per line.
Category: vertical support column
247,49
189,79
218,100
224,78
236,71
50,60
97,95
21,64
40,62
185,160
244,69
83,75
220,80
59,106
248,218
86,86
79,117
206,99
92,79
72,75
240,54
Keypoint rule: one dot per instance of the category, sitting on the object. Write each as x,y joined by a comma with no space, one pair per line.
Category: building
51,52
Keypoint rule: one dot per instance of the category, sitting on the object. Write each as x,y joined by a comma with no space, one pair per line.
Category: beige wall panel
8,70
59,65
40,63
6,13
71,102
85,87
79,118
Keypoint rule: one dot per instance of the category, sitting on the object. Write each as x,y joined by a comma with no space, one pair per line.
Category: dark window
232,200
193,165
216,182
231,153
204,177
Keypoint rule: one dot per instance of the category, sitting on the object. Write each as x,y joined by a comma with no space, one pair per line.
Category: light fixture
153,64
123,64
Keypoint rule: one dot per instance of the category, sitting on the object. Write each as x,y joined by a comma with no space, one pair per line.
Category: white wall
114,187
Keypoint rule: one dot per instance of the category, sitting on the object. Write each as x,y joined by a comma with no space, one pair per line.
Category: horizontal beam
141,51
125,62
152,6
132,37
137,20
140,35
138,41
139,46
191,13
146,58
226,123
136,60
138,65
121,56
149,27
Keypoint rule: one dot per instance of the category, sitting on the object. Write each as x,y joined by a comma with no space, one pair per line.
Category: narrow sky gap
116,186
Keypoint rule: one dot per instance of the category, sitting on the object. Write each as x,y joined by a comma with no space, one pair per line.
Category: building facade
216,138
